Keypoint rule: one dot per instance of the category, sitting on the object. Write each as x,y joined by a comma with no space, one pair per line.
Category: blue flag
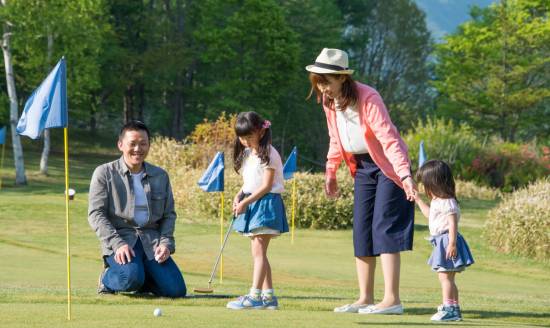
2,135
421,154
212,179
290,165
47,106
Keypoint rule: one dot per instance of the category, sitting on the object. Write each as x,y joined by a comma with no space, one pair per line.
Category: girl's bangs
244,128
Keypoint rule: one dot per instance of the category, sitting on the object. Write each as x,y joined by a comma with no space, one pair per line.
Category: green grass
311,277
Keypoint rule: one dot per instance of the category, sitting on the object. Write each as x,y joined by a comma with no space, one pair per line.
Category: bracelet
406,177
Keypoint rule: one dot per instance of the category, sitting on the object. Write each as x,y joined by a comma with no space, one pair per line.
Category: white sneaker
396,309
351,308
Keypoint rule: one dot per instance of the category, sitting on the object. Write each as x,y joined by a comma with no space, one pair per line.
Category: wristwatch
405,177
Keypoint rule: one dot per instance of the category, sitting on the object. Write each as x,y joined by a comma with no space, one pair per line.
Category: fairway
311,277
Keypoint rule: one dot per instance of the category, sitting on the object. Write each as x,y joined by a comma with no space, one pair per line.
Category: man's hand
162,253
124,254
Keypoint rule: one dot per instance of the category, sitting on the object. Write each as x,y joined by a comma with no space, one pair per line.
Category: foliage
443,139
74,29
211,137
471,190
313,210
521,222
389,45
510,166
494,71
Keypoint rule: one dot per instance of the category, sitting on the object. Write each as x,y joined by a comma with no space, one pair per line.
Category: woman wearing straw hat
363,135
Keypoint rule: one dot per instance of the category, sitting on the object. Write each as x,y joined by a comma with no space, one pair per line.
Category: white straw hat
331,61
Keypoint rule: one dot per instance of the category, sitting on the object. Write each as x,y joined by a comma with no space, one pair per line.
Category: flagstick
2,163
221,237
65,132
293,209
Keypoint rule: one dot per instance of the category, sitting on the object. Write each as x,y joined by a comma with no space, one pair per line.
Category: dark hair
246,124
349,89
437,178
134,125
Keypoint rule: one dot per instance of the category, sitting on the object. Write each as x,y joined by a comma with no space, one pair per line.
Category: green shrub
510,166
521,223
455,144
469,189
314,209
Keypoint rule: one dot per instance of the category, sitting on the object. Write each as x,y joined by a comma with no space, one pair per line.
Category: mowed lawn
311,276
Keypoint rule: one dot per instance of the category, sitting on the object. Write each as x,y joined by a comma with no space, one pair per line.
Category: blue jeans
162,279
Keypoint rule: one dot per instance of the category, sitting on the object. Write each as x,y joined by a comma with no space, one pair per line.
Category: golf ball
157,312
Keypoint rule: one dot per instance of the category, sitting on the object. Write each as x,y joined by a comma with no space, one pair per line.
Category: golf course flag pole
421,154
3,143
47,108
288,172
212,181
221,235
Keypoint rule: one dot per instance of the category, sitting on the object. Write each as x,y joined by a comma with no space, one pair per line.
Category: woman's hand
410,189
331,188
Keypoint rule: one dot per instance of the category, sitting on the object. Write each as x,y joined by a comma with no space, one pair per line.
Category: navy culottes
383,218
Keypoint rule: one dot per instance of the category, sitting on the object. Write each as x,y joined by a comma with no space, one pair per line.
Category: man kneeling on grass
131,209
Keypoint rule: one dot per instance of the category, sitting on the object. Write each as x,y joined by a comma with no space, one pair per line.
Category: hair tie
266,124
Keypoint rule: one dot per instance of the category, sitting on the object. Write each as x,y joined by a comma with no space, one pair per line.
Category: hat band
332,67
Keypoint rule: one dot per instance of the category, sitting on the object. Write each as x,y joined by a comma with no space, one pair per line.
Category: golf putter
210,290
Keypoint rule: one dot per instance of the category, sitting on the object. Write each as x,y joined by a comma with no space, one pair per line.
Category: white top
253,171
141,209
352,136
440,209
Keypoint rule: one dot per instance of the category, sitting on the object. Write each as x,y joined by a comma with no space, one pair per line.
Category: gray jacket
111,208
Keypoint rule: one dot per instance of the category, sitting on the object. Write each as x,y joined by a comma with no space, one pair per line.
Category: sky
444,16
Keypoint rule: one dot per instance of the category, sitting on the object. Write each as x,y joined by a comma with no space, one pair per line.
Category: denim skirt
268,211
438,260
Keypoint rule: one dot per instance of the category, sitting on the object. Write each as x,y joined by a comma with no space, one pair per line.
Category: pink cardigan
385,146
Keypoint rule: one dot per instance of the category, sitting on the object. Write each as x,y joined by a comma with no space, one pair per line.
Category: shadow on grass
471,315
141,295
477,314
506,314
430,323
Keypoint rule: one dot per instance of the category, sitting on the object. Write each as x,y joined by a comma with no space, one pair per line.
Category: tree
20,178
46,31
389,45
317,24
494,71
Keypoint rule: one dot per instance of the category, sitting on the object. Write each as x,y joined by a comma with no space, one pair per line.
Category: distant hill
444,16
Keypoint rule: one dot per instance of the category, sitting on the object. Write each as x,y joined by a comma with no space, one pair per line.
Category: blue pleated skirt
438,260
268,211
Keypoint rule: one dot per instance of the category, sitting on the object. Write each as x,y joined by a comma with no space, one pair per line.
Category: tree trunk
141,101
93,119
128,104
20,178
47,141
